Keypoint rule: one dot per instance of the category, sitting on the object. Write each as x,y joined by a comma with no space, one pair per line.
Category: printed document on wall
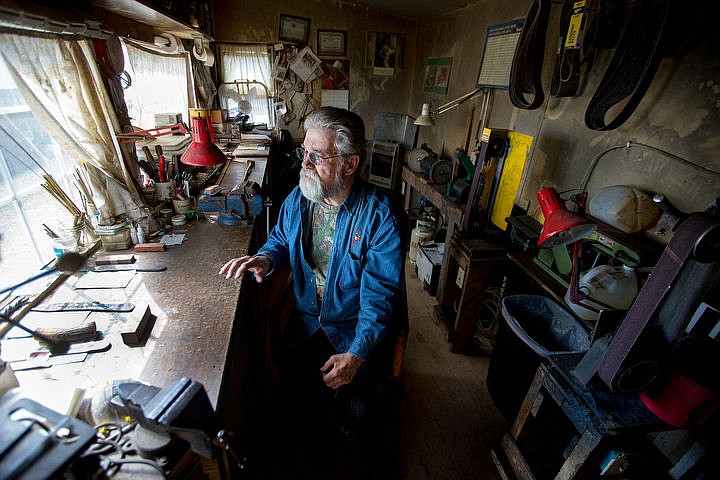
336,98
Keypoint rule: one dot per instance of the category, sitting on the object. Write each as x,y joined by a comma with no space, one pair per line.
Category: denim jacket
362,284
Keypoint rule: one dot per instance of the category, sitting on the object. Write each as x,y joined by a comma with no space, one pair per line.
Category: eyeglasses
315,158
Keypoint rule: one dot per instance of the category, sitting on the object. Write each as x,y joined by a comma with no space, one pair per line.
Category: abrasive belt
681,247
633,65
526,70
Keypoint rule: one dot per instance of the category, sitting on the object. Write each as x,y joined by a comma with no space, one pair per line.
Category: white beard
312,188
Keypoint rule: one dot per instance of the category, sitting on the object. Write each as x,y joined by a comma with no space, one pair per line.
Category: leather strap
633,65
695,237
526,70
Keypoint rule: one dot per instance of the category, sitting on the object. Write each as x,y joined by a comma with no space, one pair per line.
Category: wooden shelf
434,193
147,14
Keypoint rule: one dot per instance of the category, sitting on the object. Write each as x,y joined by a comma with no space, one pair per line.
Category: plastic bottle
423,232
133,235
140,233
613,286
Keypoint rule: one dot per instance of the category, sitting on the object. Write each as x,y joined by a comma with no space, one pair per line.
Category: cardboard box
429,261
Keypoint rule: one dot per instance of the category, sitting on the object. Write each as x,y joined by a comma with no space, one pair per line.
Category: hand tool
83,333
161,163
82,306
151,163
121,268
69,262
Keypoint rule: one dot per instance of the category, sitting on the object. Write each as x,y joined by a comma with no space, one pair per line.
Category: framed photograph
437,75
384,52
294,29
331,43
336,75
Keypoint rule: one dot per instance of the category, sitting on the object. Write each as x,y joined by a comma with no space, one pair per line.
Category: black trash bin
534,328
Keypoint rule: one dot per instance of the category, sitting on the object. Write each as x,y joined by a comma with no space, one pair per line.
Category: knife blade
83,306
123,268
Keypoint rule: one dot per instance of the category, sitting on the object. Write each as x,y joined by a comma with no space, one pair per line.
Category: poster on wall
437,75
384,52
500,43
336,75
335,98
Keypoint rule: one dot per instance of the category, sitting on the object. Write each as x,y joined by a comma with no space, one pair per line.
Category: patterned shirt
323,232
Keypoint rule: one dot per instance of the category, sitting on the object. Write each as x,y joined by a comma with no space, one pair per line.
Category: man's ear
351,164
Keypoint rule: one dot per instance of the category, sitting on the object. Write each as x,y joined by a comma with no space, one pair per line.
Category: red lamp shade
202,152
561,226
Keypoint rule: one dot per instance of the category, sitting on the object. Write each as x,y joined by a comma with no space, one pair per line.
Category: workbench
452,211
202,330
565,430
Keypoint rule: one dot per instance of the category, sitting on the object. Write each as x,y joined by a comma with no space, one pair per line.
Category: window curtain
61,83
253,63
155,75
245,62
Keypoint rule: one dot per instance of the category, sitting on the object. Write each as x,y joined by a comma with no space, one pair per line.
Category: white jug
613,286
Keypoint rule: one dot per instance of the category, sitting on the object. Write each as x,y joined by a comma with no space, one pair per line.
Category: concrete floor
448,422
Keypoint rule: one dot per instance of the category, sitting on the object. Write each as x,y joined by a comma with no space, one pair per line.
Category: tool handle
161,168
148,155
82,333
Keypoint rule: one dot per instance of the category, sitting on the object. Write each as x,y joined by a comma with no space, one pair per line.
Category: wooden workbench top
195,309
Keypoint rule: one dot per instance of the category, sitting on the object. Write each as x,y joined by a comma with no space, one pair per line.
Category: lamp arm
131,137
457,102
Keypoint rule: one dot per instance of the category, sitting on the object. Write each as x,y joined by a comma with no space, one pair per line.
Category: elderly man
342,240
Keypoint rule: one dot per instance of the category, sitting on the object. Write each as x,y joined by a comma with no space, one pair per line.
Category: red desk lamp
202,152
561,227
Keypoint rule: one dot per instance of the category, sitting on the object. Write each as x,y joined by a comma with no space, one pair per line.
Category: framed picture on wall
331,43
384,52
437,75
294,29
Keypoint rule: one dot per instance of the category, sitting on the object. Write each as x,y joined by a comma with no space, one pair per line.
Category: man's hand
340,369
258,264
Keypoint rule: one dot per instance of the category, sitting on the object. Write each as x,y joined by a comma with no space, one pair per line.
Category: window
247,63
25,151
159,85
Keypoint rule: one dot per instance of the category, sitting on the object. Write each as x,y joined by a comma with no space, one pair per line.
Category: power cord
112,449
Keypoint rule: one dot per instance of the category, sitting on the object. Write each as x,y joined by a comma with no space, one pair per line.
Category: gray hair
349,129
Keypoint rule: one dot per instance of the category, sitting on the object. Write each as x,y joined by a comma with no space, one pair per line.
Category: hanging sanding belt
526,70
578,26
624,368
633,65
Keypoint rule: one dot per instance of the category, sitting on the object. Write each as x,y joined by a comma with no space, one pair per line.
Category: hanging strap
633,65
527,63
578,27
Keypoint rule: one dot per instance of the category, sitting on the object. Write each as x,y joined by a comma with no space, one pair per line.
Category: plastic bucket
533,328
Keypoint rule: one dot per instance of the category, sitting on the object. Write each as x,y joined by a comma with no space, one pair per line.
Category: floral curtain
61,83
